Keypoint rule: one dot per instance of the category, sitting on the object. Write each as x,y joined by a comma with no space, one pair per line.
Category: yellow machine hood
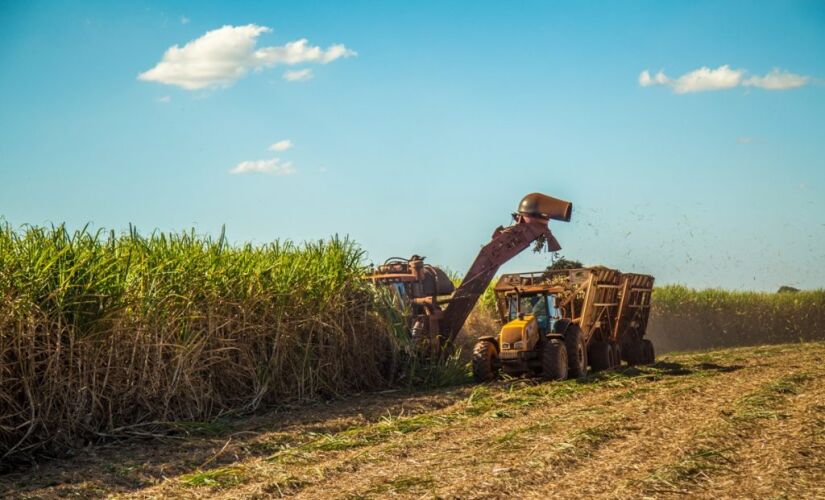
523,330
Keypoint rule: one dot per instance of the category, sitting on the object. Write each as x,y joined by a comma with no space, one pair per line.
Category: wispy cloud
777,80
220,57
744,139
281,145
273,166
645,80
297,75
184,20
724,77
165,99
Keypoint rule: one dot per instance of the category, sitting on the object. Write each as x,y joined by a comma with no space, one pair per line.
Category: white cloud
700,80
645,79
299,52
184,20
705,79
165,99
777,80
297,75
273,166
744,139
222,56
281,145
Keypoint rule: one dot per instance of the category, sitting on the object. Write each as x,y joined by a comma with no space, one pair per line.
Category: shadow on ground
661,368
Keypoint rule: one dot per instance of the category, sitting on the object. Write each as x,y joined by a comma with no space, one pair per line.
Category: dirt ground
745,422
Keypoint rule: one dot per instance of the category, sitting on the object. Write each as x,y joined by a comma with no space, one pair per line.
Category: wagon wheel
576,352
648,352
617,353
601,356
632,352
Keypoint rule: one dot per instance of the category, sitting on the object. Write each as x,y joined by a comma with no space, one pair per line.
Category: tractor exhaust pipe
546,207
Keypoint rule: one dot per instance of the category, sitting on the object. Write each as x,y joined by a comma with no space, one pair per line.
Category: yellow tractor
557,324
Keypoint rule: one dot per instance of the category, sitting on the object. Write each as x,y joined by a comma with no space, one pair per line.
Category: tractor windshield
542,307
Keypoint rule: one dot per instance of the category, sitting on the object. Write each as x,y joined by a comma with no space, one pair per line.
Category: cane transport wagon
558,323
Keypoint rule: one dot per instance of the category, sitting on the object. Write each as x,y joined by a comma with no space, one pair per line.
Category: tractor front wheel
553,360
485,361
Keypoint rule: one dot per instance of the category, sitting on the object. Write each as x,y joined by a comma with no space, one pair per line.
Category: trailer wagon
592,317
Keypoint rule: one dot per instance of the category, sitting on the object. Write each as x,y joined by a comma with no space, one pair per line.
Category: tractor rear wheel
648,353
485,359
601,356
576,352
553,360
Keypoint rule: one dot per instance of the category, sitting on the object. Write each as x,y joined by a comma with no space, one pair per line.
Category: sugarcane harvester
436,310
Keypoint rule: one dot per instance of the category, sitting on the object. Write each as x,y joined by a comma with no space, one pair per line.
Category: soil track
744,422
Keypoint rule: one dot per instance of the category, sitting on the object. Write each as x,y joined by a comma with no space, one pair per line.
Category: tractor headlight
518,345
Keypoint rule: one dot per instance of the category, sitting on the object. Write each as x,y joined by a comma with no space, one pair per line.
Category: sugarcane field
432,250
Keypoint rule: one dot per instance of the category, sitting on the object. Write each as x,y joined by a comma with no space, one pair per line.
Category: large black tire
576,352
617,354
485,357
632,352
601,356
648,353
553,360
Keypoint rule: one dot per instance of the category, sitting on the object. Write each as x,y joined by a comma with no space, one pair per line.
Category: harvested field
744,422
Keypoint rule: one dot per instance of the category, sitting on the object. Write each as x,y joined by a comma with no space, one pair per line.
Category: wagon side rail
600,304
633,312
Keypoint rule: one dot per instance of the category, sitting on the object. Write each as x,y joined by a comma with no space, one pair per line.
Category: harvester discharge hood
546,207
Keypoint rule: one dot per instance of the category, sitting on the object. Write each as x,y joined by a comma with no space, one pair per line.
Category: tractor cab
529,318
542,306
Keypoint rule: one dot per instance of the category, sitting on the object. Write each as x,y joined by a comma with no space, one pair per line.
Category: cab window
535,305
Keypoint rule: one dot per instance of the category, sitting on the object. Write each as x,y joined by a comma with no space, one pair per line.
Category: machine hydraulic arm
531,225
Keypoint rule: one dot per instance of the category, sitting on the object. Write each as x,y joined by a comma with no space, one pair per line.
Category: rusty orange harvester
587,317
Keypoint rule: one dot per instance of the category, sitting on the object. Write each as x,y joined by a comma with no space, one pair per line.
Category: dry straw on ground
737,423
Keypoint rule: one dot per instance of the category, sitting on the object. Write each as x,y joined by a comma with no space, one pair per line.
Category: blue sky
418,128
